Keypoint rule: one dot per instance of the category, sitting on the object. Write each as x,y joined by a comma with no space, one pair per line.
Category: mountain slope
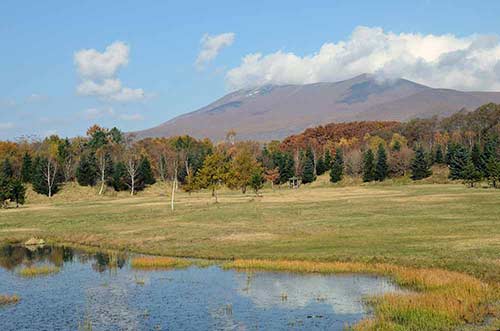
276,111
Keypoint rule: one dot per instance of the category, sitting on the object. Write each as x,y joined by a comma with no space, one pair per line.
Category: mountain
276,111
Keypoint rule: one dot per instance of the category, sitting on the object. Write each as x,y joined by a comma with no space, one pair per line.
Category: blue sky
39,76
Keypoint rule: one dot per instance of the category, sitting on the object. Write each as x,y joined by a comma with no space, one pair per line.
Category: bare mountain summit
276,111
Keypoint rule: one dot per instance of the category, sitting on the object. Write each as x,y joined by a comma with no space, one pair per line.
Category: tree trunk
173,195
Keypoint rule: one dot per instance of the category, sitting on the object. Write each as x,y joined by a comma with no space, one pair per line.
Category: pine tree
86,172
381,168
257,181
396,147
458,161
438,156
146,171
420,167
308,175
493,170
450,151
470,174
337,170
476,158
285,164
368,166
5,191
118,177
489,151
40,180
7,171
320,166
17,192
328,160
26,168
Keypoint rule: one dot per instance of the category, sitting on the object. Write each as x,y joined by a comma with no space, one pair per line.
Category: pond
102,290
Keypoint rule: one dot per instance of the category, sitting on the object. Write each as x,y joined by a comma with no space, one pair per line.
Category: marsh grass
439,300
35,271
8,299
158,262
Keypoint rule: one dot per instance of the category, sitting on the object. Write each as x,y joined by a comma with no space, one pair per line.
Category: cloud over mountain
449,61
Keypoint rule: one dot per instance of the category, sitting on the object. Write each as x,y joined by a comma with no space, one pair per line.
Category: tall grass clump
8,299
439,300
158,262
34,271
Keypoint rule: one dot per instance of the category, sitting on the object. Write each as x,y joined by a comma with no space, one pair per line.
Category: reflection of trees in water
111,261
12,256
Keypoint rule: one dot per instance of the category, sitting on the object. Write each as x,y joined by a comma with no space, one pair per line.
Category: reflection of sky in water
113,298
342,292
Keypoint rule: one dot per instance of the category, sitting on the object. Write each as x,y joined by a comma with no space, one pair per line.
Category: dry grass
38,271
158,262
8,299
441,300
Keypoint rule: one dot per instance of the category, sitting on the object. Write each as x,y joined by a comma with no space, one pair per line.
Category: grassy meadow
410,232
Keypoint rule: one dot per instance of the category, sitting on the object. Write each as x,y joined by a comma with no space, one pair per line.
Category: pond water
104,291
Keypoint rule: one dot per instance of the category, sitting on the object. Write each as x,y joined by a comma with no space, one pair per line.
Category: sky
65,65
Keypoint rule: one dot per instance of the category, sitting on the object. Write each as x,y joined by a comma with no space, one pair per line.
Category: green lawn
438,225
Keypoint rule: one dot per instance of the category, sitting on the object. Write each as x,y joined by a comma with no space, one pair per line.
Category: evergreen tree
368,166
285,164
320,166
420,167
40,178
450,151
5,191
7,171
17,192
146,172
257,181
337,170
26,168
438,156
489,151
458,161
308,175
493,170
396,147
470,174
118,177
476,158
86,172
328,160
381,168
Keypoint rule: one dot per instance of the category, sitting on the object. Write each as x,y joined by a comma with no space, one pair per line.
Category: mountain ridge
276,111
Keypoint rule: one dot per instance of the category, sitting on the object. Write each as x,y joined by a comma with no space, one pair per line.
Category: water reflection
13,256
193,298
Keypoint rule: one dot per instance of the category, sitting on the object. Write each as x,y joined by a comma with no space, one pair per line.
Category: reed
158,262
38,271
8,299
440,300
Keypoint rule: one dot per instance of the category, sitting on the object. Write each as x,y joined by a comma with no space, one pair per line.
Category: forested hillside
466,142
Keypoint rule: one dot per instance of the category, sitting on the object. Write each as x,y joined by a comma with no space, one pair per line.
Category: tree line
466,142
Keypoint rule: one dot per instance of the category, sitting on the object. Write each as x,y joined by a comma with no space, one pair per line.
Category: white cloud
127,94
98,71
107,87
93,64
448,61
6,125
211,46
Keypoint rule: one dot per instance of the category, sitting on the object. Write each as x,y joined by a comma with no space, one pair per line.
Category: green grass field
446,226
406,231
